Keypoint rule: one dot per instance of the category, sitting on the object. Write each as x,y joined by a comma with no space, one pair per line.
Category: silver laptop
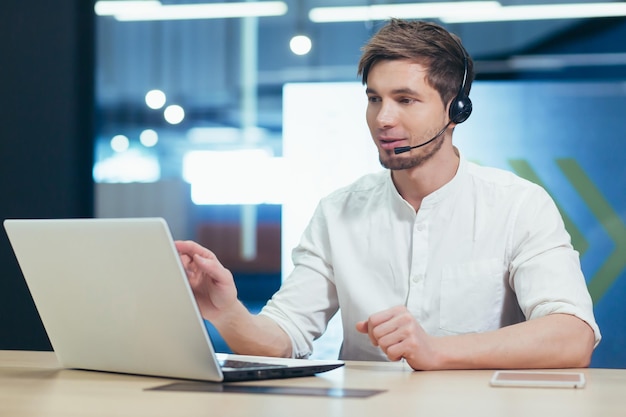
113,296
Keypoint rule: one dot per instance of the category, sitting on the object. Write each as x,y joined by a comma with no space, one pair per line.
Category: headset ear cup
460,109
461,106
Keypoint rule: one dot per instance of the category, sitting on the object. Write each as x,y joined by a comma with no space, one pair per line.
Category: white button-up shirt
486,250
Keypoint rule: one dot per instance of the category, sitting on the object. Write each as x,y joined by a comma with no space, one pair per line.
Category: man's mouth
391,143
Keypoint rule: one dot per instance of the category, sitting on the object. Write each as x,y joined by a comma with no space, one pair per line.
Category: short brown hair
426,43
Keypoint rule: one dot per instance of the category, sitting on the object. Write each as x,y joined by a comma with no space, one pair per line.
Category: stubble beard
390,161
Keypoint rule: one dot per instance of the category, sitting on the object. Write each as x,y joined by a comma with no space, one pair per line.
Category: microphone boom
403,149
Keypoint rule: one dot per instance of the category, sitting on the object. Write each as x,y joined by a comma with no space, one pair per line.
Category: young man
436,260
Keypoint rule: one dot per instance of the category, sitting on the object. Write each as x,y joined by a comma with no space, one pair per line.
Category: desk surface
32,384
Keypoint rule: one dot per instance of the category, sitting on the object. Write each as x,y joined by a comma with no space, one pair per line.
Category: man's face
403,110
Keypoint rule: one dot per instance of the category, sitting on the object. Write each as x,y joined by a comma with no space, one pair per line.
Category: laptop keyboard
236,364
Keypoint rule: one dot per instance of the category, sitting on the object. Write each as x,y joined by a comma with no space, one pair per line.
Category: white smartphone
547,379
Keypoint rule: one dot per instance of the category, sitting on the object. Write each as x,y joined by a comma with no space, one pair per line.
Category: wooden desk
31,384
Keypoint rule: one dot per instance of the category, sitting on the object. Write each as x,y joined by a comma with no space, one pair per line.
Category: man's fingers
366,328
191,248
361,327
381,317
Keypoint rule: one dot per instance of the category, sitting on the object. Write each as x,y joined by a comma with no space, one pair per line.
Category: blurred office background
232,126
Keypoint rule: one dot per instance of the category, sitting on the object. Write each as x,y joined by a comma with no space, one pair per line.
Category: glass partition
234,142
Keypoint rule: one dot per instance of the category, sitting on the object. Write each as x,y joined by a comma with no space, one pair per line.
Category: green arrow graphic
524,170
610,221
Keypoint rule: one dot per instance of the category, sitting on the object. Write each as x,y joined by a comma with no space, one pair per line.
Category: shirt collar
434,198
448,189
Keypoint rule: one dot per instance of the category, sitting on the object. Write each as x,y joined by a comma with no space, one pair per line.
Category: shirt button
418,277
420,227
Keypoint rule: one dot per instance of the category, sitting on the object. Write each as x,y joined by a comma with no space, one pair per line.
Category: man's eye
373,99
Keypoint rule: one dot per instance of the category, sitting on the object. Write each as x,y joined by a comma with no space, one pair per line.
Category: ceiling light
112,7
119,143
149,138
400,11
538,12
300,44
467,12
138,11
155,99
174,114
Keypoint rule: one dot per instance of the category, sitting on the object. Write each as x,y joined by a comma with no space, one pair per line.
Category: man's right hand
212,284
215,292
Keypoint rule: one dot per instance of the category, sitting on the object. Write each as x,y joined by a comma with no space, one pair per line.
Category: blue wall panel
571,138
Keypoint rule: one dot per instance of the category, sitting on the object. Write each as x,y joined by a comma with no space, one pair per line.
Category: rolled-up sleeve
307,299
545,269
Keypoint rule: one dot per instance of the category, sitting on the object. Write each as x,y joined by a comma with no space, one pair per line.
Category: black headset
460,108
461,105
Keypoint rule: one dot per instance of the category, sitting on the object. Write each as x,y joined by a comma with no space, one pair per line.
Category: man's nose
387,114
